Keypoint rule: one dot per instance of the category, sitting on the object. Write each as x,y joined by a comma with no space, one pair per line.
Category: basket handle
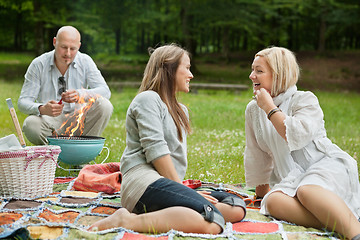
38,153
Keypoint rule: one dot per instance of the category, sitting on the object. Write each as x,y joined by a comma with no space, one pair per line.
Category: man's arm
30,91
95,81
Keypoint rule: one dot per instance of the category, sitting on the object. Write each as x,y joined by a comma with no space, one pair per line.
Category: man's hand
51,108
70,96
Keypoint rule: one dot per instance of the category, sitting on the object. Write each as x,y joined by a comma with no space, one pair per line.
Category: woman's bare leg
231,213
329,209
314,207
281,206
178,218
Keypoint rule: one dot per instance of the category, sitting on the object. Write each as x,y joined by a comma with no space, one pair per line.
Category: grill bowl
77,150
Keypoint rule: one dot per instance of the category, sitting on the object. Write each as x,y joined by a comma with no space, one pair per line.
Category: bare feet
117,219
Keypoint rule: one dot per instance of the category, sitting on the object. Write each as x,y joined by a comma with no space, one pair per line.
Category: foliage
202,26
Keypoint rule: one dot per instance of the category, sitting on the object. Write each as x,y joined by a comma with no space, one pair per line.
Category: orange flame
76,120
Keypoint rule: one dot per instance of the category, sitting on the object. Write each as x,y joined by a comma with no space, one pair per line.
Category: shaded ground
337,71
333,71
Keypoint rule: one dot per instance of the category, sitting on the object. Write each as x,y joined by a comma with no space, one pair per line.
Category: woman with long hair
155,158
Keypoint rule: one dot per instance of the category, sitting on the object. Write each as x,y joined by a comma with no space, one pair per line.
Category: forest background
219,32
222,36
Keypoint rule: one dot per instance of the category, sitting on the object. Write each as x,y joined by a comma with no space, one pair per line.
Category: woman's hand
262,190
208,197
264,100
266,103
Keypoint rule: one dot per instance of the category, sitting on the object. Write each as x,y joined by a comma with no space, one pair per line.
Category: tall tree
130,26
17,13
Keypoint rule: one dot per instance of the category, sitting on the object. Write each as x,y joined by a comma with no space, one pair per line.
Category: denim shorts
165,193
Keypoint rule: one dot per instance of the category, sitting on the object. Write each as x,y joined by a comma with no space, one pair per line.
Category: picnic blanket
67,213
99,178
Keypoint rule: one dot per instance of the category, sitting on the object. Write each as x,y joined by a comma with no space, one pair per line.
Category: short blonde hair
285,69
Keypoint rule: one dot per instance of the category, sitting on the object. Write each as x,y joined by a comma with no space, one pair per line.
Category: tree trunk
225,43
39,30
322,32
245,41
186,20
18,32
117,41
189,39
167,10
218,39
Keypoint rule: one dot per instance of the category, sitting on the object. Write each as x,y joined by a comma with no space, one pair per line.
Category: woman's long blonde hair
285,69
159,76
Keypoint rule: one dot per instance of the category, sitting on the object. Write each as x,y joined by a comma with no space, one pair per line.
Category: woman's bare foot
117,219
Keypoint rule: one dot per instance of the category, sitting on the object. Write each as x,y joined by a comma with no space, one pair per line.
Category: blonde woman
154,161
302,176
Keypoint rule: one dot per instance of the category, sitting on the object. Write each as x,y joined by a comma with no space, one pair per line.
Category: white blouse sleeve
258,163
304,120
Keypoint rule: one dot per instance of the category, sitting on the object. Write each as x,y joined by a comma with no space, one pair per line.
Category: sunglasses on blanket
250,203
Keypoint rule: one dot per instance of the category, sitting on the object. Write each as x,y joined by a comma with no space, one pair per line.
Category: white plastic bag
9,143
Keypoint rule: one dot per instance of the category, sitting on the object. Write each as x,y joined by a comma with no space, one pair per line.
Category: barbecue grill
77,150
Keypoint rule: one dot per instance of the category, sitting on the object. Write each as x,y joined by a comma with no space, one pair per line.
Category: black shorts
165,193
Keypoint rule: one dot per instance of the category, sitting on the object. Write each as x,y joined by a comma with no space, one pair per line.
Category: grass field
216,146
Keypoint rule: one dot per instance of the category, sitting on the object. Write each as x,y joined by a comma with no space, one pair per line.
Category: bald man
55,82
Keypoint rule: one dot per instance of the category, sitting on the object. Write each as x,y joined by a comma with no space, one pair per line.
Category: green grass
216,146
15,58
14,65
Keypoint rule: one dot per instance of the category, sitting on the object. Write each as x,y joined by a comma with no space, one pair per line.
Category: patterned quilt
66,214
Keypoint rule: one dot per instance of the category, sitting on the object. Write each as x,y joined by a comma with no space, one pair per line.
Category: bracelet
272,111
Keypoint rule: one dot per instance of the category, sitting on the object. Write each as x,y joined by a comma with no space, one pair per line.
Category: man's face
66,46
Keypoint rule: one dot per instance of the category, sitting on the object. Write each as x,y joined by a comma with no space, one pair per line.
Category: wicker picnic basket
28,172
